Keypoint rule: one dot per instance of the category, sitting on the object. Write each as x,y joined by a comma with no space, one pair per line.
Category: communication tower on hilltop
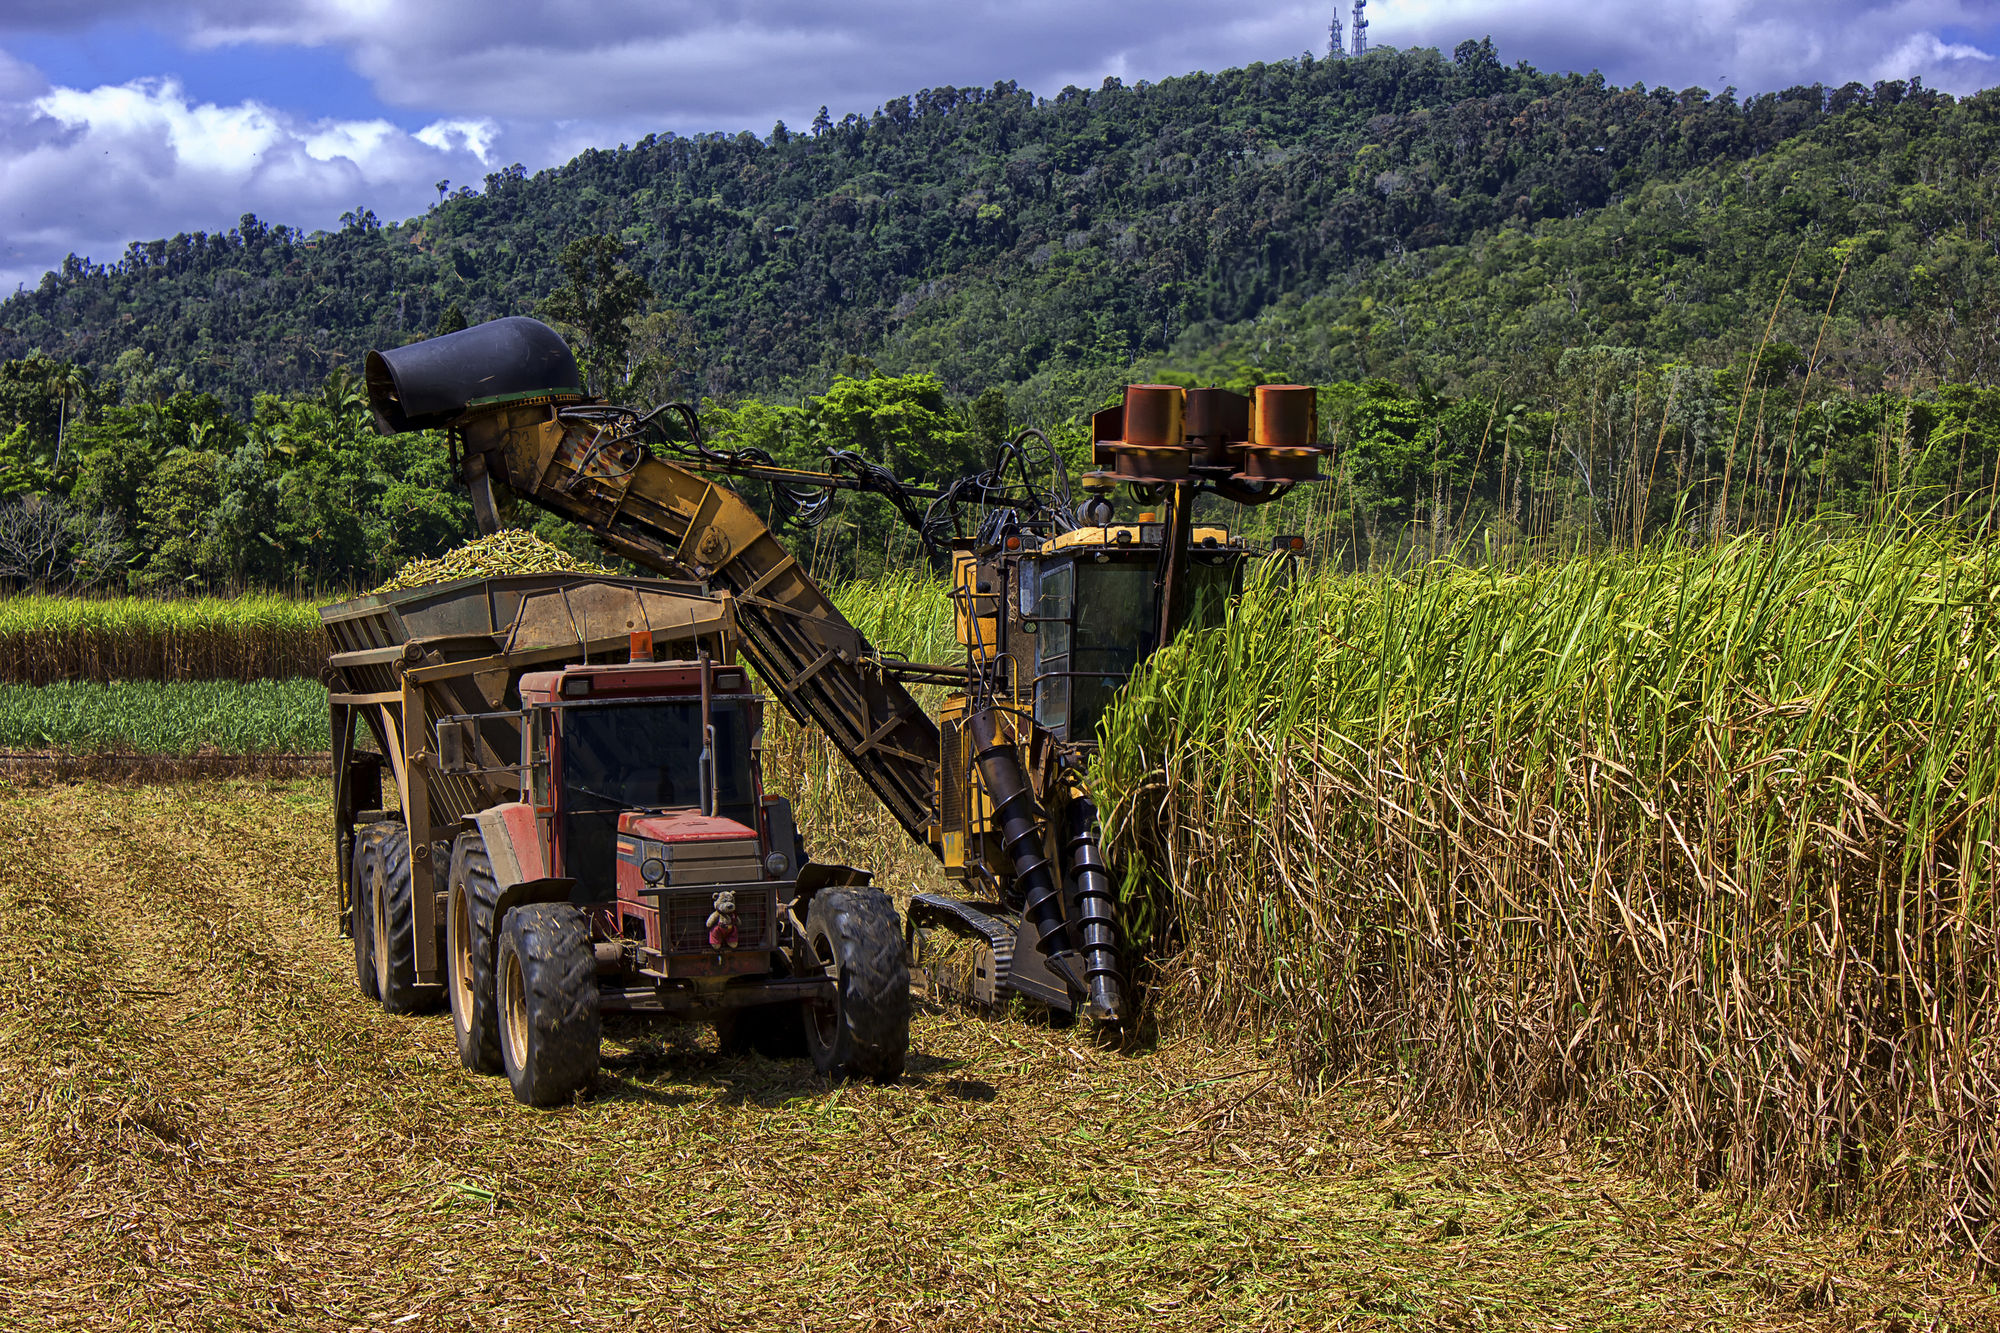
1360,27
1335,48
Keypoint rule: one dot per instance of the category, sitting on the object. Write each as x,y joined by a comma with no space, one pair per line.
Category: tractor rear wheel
361,907
547,991
393,926
864,1032
469,955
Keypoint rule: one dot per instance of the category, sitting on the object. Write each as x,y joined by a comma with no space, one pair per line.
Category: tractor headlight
653,870
777,863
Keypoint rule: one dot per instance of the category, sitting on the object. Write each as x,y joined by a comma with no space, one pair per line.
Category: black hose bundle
627,435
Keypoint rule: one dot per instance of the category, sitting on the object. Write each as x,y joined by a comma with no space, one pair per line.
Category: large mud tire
854,937
361,910
469,955
393,921
547,991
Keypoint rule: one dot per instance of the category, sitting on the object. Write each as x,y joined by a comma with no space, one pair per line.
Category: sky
125,120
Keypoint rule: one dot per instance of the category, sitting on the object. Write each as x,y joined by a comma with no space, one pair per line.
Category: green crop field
1692,851
166,718
1689,851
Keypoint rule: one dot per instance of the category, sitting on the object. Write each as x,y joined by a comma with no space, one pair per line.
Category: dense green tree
177,537
1537,306
1397,215
597,301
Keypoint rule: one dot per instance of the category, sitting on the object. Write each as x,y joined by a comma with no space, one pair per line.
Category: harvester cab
1089,608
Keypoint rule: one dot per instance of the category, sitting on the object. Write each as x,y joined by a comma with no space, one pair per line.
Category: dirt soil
204,1126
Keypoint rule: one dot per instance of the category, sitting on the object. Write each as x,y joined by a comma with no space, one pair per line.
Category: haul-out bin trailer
563,816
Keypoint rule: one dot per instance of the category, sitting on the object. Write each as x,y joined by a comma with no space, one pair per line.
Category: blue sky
124,120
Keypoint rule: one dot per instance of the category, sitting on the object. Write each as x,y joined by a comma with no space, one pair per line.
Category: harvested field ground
206,1127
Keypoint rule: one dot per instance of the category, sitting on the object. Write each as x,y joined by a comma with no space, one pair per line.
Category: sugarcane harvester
1055,602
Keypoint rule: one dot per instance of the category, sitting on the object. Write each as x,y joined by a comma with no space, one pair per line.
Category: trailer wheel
864,1031
469,955
393,923
361,907
547,992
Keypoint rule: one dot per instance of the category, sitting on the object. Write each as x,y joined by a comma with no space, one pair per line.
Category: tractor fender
513,844
520,871
817,875
553,890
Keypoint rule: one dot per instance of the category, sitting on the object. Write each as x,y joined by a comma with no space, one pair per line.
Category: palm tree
343,393
66,381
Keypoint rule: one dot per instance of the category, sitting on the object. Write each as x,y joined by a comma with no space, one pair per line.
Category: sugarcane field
1359,693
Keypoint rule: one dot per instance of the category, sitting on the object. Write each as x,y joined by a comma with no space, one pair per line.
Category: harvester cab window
1209,590
1098,623
644,755
1051,605
1115,629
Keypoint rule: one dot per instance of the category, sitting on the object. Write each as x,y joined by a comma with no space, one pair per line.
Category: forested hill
1363,214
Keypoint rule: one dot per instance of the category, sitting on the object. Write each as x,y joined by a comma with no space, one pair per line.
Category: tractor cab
1089,614
607,742
646,783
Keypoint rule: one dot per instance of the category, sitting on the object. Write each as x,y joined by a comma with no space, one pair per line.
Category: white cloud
1754,45
19,81
201,139
708,64
474,136
87,170
1947,61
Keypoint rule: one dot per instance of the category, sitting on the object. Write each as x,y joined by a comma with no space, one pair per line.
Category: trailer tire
469,955
853,935
393,923
361,907
546,982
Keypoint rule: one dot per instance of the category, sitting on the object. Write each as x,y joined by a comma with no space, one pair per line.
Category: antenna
1360,27
1335,48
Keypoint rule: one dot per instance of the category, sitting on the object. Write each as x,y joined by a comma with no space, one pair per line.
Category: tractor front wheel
864,1032
547,992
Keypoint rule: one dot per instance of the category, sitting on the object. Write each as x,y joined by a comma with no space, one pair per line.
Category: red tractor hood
683,826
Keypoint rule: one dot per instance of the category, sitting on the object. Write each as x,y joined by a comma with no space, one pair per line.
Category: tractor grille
685,916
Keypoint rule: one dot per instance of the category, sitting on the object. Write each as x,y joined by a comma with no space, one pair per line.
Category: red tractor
590,835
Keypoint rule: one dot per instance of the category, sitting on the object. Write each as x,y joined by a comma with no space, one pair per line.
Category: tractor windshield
644,755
